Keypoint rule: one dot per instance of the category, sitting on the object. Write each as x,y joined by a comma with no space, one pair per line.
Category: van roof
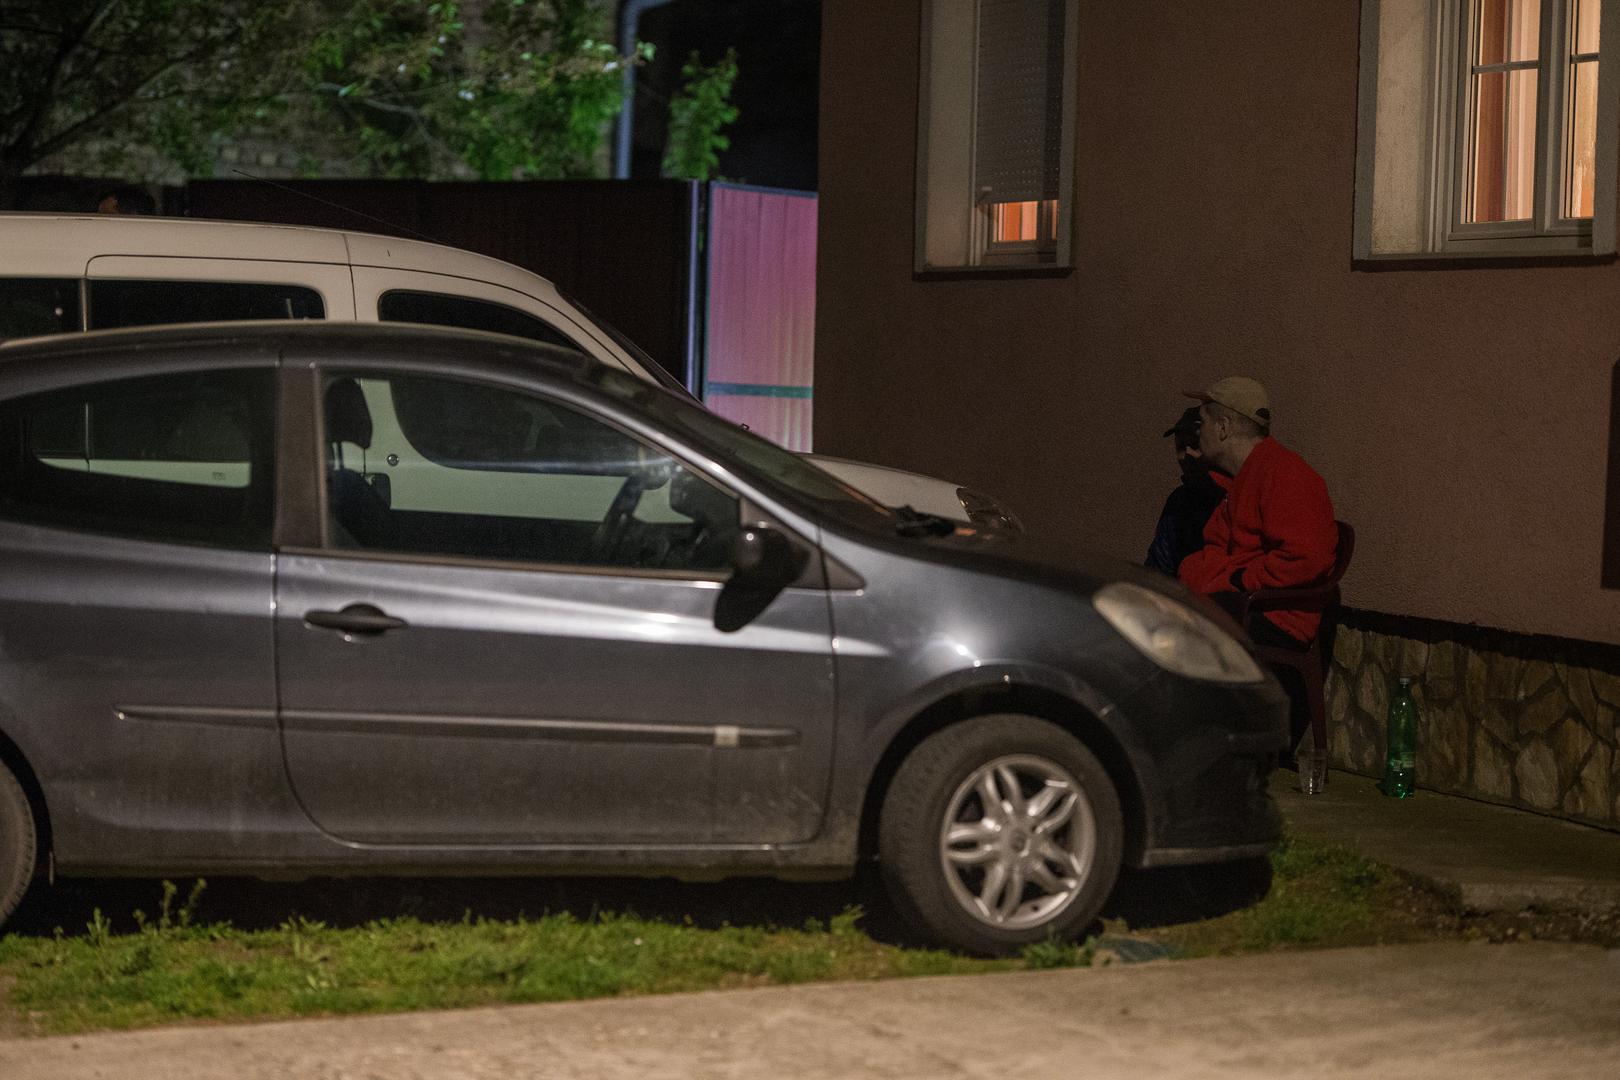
62,245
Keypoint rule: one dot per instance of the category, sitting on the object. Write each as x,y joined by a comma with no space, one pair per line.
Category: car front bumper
1205,794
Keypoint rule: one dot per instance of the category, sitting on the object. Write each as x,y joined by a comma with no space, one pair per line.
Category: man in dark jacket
1181,523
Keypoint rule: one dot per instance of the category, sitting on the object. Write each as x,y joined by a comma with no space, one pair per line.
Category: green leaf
697,117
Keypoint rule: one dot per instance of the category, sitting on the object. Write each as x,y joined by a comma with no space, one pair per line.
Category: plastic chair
1308,659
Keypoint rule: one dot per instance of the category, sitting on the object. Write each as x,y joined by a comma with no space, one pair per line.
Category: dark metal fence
626,249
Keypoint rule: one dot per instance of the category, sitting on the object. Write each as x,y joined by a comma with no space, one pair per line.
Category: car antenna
339,206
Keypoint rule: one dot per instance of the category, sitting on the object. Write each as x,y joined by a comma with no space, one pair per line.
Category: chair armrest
1311,598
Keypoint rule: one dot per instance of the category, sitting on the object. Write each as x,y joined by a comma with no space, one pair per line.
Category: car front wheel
999,832
17,844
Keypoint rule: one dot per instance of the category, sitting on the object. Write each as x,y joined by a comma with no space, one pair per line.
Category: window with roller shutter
994,168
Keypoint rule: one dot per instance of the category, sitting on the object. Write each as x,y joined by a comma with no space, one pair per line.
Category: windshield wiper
917,523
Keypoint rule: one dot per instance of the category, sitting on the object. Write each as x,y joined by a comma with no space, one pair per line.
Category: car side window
435,466
464,313
184,457
33,306
115,303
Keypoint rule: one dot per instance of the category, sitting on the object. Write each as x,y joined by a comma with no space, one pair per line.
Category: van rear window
465,313
30,307
150,303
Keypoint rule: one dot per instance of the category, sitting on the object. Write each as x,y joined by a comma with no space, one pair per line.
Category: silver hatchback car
324,599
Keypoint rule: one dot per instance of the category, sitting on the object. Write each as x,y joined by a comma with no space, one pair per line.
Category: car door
511,640
135,589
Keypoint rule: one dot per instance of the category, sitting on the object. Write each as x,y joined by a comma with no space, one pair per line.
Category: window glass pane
1502,171
33,306
1508,31
437,309
150,303
1586,25
1030,222
176,457
1581,146
437,466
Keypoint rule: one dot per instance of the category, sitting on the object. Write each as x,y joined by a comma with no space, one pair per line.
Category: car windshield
782,467
656,371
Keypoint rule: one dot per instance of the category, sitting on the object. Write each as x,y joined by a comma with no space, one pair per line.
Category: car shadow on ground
1144,899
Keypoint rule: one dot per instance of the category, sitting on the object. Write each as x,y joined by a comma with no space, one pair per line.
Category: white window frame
979,254
1447,85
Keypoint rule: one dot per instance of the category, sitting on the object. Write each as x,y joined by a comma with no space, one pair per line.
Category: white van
63,273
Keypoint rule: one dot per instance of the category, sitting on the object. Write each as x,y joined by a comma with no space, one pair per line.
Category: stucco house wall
1460,415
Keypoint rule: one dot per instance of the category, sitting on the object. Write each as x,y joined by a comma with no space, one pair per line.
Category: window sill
968,273
1478,260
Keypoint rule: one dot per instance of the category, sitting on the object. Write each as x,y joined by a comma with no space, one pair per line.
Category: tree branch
370,102
70,42
70,134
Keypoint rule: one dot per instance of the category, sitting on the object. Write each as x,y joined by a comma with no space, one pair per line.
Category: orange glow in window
1023,222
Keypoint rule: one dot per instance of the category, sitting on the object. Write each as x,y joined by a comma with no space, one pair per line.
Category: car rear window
151,303
182,457
30,307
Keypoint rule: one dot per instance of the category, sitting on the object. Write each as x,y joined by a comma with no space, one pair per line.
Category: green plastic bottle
1401,736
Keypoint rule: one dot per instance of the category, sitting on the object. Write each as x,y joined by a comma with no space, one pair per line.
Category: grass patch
1052,953
1321,896
139,971
172,969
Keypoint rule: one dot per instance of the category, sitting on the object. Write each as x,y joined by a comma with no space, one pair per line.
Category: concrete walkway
1486,858
1482,1012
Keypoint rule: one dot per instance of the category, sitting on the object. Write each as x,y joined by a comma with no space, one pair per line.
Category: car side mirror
763,558
763,563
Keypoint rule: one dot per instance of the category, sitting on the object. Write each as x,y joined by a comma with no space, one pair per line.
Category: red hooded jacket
1274,531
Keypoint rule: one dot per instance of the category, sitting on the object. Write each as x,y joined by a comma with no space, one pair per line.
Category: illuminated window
1033,221
1527,125
1480,128
1500,113
994,146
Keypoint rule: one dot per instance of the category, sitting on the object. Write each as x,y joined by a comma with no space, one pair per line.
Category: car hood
896,487
1051,562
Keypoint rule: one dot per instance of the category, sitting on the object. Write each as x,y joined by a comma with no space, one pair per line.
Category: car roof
191,345
52,245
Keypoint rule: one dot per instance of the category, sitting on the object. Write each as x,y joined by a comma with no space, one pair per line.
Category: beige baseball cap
1242,395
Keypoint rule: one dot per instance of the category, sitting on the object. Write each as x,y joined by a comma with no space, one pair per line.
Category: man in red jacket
1275,529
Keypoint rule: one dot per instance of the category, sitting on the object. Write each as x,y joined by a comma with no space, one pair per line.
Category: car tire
18,844
999,832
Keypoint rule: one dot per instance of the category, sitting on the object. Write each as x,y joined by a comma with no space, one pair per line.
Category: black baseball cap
1185,429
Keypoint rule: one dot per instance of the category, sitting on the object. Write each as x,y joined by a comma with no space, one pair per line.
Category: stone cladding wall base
1527,722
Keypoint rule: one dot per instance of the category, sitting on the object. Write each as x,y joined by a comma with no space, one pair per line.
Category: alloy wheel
1018,841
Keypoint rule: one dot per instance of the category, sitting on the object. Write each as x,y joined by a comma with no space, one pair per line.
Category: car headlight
1174,636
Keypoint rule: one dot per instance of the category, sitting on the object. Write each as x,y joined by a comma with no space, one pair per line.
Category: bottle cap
1405,680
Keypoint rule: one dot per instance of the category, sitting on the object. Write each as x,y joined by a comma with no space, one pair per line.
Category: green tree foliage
149,88
524,90
698,117
129,75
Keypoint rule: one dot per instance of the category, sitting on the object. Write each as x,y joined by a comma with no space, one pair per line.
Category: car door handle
355,619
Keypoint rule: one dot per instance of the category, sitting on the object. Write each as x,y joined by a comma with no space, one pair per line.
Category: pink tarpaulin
761,319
